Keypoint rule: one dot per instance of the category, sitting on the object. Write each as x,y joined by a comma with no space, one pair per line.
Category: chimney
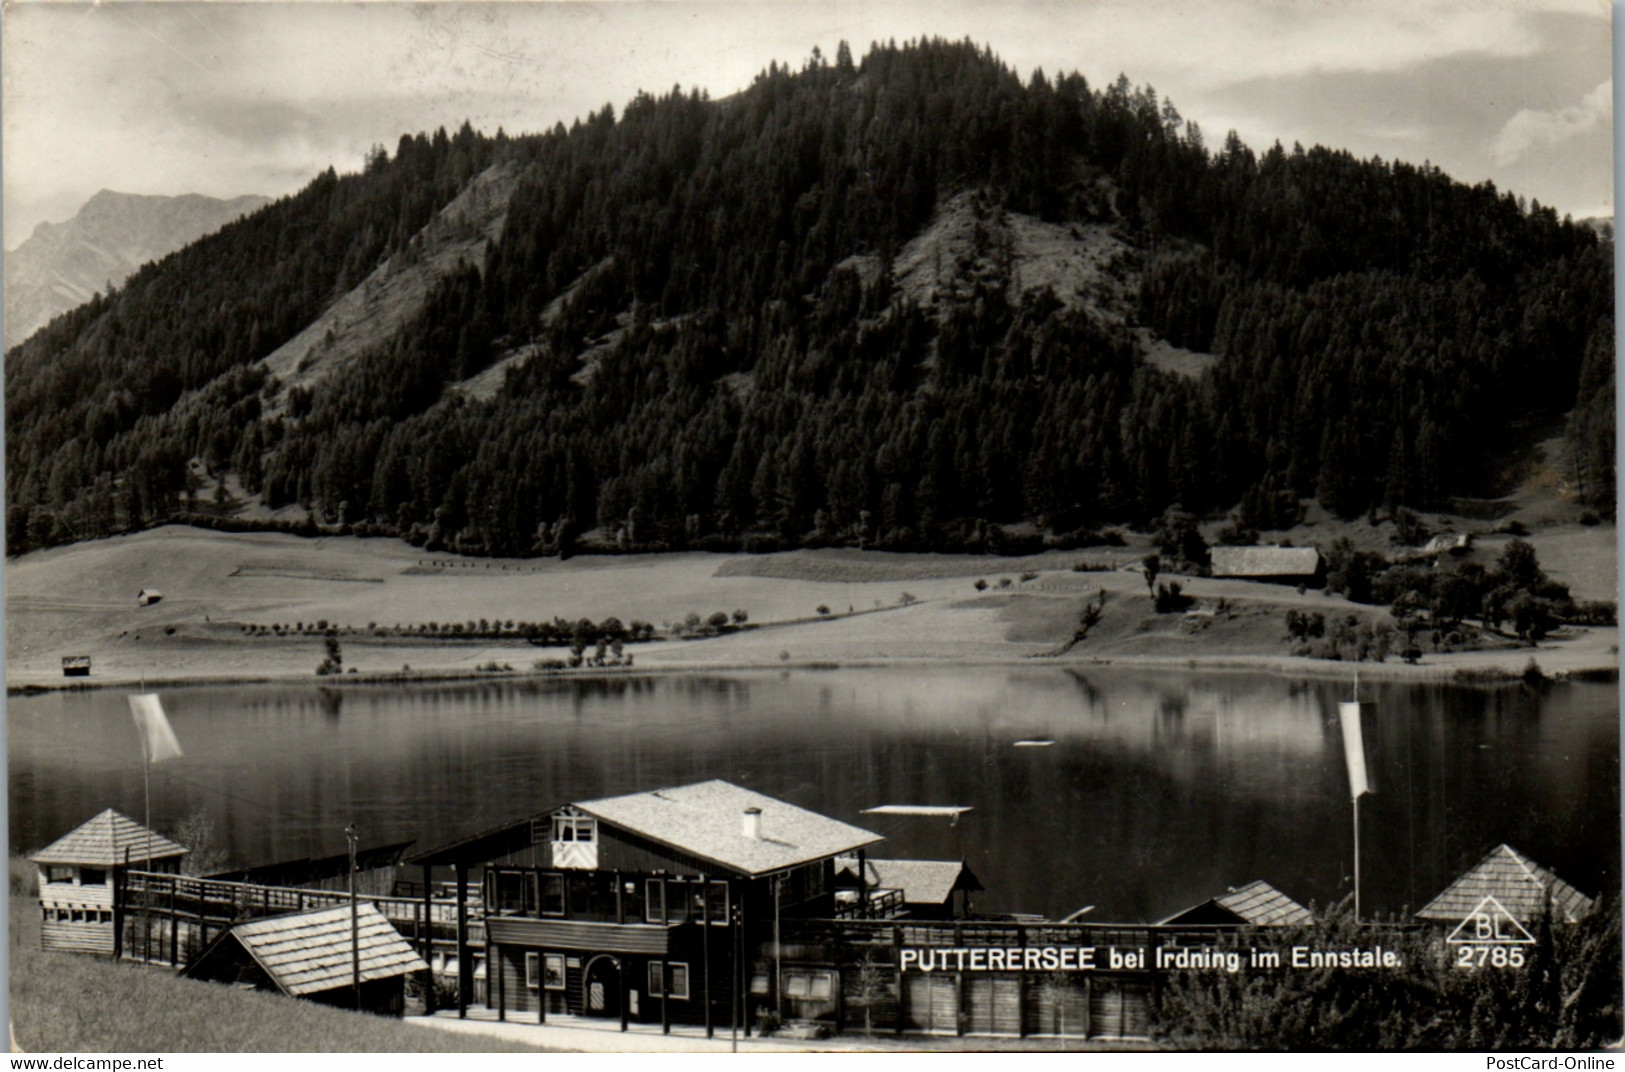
753,823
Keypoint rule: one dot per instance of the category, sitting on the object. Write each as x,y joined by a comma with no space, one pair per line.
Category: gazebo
76,874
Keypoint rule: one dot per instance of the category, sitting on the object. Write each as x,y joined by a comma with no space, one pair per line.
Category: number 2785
1494,956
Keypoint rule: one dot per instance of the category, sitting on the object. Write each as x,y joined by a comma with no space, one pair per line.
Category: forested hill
912,302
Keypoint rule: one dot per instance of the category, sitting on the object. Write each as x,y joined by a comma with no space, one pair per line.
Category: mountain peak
61,265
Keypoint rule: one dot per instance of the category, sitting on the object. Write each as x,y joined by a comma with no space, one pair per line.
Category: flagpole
1356,806
146,792
1356,859
146,784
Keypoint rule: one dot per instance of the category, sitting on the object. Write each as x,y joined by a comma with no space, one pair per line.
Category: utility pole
355,922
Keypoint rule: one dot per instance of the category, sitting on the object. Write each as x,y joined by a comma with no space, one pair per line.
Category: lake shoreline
1554,661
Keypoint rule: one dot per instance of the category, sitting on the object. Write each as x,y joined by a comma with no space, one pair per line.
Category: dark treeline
1385,335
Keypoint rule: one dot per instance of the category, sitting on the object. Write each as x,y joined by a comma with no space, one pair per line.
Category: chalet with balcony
657,906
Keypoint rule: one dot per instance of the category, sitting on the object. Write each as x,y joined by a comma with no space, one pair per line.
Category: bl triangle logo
1490,923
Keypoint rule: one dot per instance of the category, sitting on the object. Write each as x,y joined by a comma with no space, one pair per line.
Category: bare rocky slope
61,265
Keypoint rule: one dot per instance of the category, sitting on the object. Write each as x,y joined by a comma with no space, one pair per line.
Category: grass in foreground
67,1003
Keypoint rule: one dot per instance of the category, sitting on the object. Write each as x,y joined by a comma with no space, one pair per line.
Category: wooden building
656,907
1257,904
378,871
712,904
77,875
1283,565
75,666
316,956
1521,887
919,889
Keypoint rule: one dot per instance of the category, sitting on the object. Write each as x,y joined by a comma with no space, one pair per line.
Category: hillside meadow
804,607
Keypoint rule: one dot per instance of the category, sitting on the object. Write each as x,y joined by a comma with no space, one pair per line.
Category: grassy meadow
803,607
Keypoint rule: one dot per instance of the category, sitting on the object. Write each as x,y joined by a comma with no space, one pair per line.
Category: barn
1282,565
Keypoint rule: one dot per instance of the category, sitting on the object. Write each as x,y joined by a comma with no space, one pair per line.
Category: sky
257,97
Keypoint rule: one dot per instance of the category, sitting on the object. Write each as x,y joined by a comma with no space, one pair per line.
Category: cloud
1532,127
256,97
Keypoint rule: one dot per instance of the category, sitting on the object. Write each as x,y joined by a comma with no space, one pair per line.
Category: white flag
1350,714
157,739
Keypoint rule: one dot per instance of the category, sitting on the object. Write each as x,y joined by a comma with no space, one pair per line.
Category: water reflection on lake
1160,790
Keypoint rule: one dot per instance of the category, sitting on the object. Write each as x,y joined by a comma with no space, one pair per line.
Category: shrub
1171,598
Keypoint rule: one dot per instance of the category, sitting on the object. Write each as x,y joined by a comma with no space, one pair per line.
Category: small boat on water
1035,742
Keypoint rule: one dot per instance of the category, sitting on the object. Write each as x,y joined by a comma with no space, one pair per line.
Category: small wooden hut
76,875
1257,904
312,955
922,889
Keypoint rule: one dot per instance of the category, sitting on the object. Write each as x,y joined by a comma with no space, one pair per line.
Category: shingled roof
309,952
922,881
707,820
1263,905
1264,561
102,841
1257,903
1517,883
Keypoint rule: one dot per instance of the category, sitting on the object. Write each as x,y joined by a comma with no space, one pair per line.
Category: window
758,983
716,903
58,873
570,828
654,900
553,971
92,876
674,900
515,892
531,965
677,901
679,980
552,895
809,986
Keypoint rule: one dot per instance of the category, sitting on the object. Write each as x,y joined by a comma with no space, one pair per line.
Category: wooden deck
170,919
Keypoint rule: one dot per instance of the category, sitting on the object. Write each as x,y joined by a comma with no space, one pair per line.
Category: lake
1160,791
